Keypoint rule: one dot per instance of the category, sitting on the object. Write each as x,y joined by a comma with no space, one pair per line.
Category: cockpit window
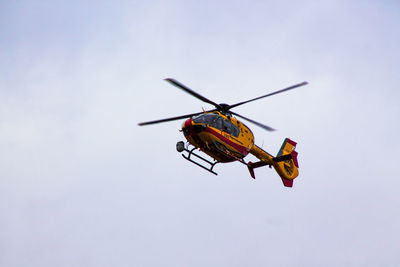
211,119
216,121
205,118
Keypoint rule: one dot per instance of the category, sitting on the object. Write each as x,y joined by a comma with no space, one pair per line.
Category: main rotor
223,108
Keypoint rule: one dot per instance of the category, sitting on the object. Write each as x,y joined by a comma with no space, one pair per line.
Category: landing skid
180,147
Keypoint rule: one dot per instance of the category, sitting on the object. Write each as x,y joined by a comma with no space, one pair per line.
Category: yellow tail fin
285,163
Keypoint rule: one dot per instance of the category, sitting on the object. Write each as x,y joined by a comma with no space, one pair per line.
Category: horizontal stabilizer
282,158
254,165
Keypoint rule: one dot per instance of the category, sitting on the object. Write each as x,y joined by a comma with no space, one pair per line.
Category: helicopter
217,133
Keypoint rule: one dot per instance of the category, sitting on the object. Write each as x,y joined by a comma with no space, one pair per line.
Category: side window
236,131
216,122
230,128
227,127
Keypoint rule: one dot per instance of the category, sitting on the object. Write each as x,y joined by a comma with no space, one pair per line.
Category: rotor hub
224,107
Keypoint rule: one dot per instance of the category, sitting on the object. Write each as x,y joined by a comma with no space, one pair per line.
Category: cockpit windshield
211,119
215,121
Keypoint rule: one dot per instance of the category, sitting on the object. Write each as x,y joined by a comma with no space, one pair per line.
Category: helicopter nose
187,127
190,128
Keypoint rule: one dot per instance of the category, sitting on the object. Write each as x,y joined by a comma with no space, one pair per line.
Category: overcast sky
82,185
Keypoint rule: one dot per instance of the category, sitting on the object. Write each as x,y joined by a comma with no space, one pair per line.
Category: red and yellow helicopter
224,138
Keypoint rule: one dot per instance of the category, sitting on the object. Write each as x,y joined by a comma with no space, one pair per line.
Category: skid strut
180,147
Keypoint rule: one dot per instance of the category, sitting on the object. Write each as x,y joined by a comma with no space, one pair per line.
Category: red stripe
294,157
243,150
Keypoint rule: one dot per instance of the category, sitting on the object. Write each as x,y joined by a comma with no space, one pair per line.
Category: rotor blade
256,123
169,119
270,94
193,93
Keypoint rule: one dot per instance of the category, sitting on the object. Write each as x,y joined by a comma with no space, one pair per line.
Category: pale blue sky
83,185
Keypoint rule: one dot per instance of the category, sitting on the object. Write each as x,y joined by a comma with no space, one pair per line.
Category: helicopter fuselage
219,135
